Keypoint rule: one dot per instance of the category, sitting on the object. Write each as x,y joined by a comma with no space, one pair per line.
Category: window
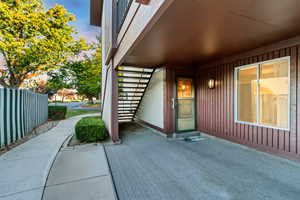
262,93
185,88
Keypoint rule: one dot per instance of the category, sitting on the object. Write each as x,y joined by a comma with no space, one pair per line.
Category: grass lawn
91,105
72,113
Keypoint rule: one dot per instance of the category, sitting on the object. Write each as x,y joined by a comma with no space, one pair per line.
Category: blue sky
81,9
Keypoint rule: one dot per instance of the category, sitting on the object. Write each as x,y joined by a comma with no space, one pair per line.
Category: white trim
258,64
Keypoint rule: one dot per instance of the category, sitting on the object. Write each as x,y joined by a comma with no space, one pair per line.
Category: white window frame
288,58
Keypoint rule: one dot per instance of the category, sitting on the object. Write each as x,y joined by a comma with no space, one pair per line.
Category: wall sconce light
211,83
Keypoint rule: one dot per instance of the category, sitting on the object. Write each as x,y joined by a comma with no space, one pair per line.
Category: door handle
173,103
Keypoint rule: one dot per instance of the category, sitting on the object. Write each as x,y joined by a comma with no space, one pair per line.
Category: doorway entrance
185,105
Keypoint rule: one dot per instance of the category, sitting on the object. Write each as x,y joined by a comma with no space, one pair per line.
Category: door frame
176,103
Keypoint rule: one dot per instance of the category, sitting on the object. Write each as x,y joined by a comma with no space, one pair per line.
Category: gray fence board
20,112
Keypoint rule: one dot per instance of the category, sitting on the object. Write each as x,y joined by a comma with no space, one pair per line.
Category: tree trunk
11,84
91,100
62,95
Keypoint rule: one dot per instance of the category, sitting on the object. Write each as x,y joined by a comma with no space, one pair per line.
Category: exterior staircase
132,84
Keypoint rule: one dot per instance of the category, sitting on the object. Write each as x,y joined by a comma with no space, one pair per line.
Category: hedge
57,112
90,129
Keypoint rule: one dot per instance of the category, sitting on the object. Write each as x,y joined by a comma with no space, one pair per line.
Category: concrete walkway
24,169
80,173
149,167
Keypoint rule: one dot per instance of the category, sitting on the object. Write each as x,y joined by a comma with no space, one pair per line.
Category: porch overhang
96,7
200,31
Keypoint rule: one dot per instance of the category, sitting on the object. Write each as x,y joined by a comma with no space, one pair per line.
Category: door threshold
183,135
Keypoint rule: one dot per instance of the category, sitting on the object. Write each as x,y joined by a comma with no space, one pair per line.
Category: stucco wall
109,82
107,98
106,72
151,109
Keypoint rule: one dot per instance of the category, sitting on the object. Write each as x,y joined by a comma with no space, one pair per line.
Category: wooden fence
20,112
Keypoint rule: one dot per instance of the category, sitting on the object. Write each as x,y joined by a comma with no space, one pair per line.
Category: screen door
185,105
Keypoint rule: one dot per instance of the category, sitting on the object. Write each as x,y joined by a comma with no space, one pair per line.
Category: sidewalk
24,169
80,173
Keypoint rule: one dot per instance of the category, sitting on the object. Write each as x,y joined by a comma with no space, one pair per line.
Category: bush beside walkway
91,129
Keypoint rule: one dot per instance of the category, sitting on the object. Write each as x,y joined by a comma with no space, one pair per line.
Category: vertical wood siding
20,112
216,106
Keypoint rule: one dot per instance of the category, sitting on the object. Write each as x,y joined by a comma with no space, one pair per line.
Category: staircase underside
132,84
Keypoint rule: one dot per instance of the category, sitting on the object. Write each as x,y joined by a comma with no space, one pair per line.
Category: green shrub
57,112
91,129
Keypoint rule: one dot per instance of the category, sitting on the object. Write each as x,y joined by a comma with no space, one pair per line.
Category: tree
33,39
58,80
66,93
86,74
39,86
86,78
83,75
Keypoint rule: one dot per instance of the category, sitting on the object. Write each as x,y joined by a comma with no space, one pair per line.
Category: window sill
260,125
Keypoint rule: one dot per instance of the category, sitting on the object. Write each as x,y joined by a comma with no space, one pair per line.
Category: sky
81,10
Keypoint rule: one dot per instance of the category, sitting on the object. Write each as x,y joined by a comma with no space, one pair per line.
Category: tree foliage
87,74
34,39
83,75
86,78
58,80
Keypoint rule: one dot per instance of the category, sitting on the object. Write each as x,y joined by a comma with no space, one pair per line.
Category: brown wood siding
168,95
216,106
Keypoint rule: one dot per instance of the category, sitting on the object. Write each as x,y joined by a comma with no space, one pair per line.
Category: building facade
228,69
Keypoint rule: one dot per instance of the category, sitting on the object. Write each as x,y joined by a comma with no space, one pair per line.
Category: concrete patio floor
149,167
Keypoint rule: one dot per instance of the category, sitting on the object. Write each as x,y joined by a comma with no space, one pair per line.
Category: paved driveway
149,167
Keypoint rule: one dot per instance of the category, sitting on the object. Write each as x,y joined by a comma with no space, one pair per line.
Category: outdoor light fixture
211,83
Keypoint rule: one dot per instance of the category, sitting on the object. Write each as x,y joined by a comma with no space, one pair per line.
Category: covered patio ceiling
199,31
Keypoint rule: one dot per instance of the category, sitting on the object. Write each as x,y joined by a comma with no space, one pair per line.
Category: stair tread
127,92
147,69
131,99
135,72
128,103
130,77
125,117
128,87
127,107
129,96
131,82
